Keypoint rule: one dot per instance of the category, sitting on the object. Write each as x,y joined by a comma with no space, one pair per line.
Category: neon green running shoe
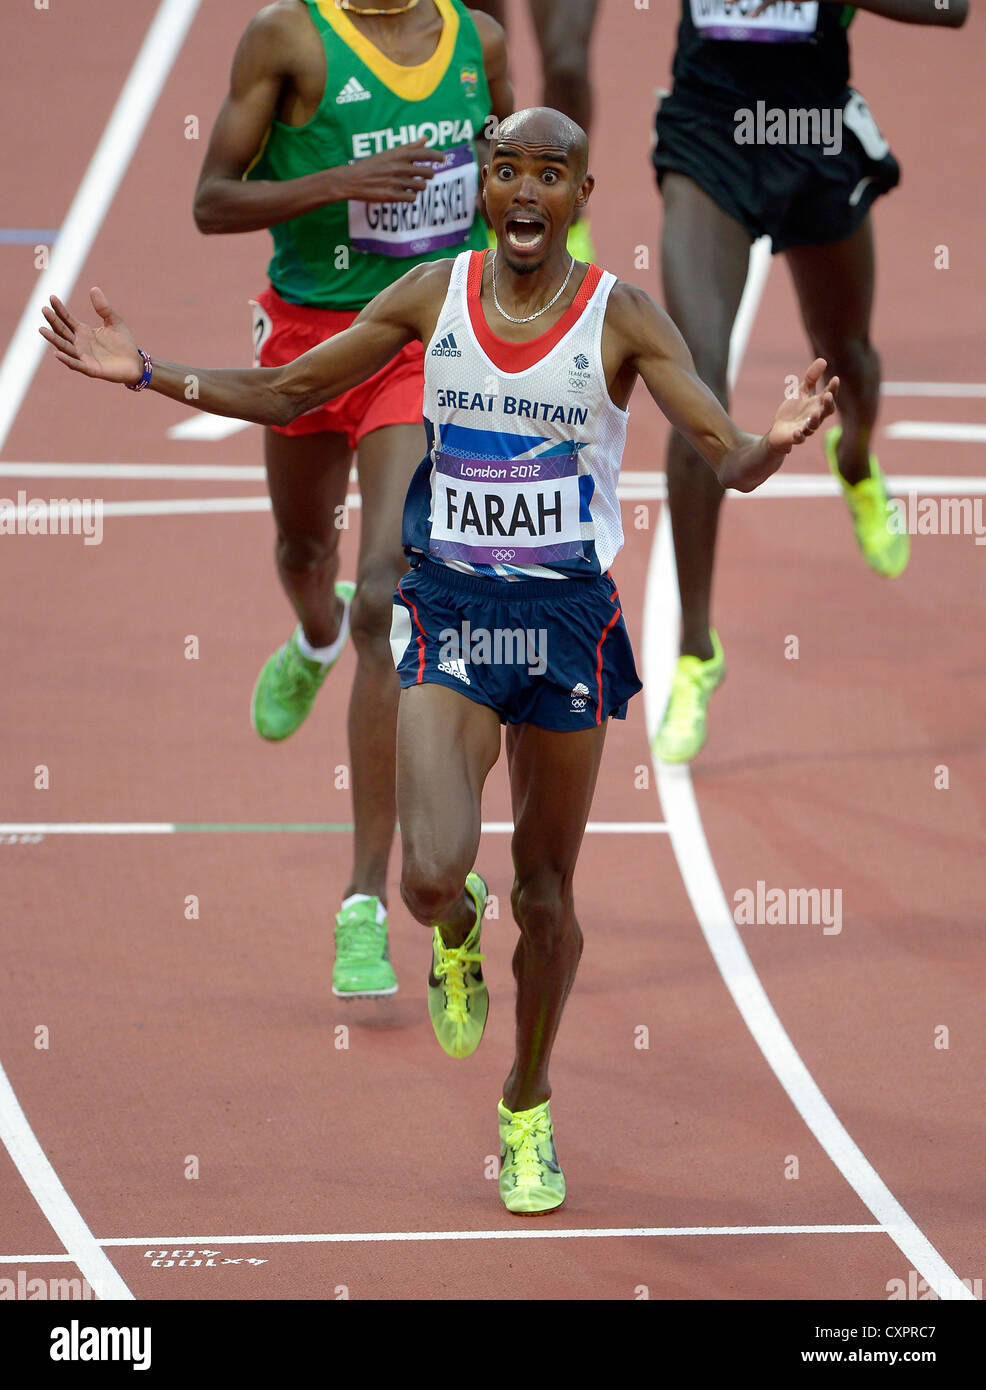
491,238
458,1000
362,967
884,549
531,1179
287,685
580,242
683,728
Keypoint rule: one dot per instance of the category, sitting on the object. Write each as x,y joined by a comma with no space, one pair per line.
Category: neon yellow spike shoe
458,1000
362,967
683,728
531,1179
491,238
580,242
287,685
885,549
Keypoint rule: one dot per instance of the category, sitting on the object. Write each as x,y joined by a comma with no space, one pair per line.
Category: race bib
441,215
787,22
502,511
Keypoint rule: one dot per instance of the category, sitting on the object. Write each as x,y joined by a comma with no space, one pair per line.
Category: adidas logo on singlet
447,347
353,91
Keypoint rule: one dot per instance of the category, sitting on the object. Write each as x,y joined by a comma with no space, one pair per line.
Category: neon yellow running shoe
683,728
362,967
287,685
580,242
458,1000
531,1179
884,549
491,238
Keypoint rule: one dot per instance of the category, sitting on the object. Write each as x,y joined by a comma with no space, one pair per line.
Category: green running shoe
287,685
683,728
458,1000
531,1179
885,549
580,243
362,967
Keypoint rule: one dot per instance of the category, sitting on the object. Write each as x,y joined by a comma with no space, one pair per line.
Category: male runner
511,524
564,32
808,182
333,109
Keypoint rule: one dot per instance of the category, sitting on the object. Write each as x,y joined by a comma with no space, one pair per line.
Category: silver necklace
509,317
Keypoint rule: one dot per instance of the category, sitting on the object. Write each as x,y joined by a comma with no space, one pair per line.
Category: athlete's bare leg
307,476
835,290
705,256
552,780
564,31
446,745
385,461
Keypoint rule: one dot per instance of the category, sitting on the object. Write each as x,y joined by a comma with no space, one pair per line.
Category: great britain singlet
342,255
525,444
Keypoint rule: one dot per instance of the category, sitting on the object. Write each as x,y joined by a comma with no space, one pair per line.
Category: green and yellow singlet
340,256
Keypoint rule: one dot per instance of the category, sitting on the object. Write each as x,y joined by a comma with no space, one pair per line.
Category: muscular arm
647,344
406,310
494,41
918,11
272,51
952,16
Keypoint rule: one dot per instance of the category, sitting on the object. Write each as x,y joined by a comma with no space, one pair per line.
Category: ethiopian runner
508,614
350,131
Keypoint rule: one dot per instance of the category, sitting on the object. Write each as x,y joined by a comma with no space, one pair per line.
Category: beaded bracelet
146,378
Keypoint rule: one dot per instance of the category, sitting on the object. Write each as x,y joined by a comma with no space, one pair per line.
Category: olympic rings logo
503,554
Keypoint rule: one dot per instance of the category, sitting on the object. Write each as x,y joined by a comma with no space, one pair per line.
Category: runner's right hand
394,176
108,352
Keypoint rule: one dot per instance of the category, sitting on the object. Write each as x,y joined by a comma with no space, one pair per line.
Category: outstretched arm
952,14
265,395
653,349
270,53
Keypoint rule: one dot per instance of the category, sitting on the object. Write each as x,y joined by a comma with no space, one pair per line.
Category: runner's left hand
800,415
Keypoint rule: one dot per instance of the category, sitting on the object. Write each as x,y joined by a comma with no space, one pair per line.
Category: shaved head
541,128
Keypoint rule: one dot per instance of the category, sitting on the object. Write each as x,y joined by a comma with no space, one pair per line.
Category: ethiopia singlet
525,444
794,54
341,255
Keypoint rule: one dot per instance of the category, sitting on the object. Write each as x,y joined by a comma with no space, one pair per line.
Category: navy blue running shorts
551,652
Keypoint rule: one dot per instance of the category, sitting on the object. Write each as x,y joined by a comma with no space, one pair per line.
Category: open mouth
525,234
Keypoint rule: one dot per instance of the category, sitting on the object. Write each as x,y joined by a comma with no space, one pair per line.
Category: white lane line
964,389
493,827
598,1233
60,1211
202,425
95,194
708,901
661,634
37,1259
937,432
168,472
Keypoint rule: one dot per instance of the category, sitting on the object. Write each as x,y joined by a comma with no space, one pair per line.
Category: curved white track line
59,1209
698,871
94,196
112,156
